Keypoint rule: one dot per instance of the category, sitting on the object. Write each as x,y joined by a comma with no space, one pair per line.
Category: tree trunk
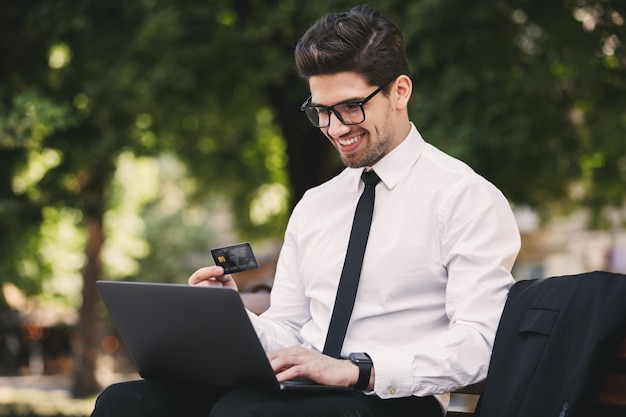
87,340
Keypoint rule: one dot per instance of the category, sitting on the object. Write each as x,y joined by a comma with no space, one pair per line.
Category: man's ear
403,87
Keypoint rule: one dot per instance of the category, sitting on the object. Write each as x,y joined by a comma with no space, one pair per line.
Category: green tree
530,93
24,162
138,77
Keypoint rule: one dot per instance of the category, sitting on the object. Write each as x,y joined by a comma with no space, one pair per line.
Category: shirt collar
395,165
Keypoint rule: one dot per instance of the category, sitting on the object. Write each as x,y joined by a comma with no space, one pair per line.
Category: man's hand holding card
228,260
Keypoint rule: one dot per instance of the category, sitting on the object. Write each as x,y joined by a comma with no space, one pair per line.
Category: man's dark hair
361,41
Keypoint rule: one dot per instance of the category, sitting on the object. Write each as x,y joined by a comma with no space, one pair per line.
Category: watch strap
365,370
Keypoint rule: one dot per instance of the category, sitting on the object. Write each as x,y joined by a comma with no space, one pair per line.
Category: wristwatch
364,362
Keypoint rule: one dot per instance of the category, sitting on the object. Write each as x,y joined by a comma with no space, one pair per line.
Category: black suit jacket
554,338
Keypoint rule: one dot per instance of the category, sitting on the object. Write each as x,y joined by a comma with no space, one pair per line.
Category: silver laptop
200,335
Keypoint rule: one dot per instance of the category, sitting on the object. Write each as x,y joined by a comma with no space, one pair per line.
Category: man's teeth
346,142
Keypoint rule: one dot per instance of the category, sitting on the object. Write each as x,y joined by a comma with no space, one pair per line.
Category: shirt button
393,391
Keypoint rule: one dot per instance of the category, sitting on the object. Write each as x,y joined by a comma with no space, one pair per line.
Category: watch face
360,357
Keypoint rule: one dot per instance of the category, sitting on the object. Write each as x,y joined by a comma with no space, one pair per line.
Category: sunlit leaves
61,253
30,119
135,184
60,55
38,163
532,97
270,200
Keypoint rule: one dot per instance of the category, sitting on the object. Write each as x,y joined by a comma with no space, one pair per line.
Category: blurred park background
135,135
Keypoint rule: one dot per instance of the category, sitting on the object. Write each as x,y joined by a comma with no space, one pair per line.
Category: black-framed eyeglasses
348,113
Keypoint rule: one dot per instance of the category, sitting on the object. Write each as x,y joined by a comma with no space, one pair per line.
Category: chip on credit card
235,258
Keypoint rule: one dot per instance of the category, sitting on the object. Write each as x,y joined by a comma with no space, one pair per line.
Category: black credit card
235,258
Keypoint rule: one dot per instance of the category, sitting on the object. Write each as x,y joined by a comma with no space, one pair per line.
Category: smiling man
361,141
403,311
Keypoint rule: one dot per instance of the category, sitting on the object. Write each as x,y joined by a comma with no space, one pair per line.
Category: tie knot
370,178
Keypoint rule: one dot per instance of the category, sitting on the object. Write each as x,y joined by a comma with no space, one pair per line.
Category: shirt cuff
393,377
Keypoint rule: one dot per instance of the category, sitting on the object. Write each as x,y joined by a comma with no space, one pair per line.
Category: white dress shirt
435,275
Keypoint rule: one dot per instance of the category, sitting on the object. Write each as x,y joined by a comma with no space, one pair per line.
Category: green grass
68,408
38,403
44,410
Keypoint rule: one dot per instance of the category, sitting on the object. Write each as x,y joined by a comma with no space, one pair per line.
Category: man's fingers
215,273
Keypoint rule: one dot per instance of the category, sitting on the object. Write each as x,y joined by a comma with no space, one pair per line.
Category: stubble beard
374,151
367,157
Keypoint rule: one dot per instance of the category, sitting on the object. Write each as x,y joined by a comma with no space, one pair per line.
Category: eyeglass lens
348,114
351,113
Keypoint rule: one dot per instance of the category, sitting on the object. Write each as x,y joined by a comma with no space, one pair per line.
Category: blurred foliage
529,93
179,230
24,161
31,119
532,94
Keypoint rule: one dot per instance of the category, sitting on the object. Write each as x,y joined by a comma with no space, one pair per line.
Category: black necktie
349,282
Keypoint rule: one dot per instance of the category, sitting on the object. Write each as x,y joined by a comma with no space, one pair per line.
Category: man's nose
336,127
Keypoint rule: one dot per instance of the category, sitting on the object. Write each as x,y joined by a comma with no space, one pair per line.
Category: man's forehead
329,89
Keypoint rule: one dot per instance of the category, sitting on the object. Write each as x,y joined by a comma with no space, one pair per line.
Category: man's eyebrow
348,100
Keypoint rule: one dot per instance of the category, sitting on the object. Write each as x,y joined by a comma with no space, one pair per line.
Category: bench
611,399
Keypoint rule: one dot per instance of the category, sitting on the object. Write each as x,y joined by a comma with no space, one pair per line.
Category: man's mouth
350,141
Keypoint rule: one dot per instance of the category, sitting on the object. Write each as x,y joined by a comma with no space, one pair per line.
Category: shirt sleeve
280,325
479,241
